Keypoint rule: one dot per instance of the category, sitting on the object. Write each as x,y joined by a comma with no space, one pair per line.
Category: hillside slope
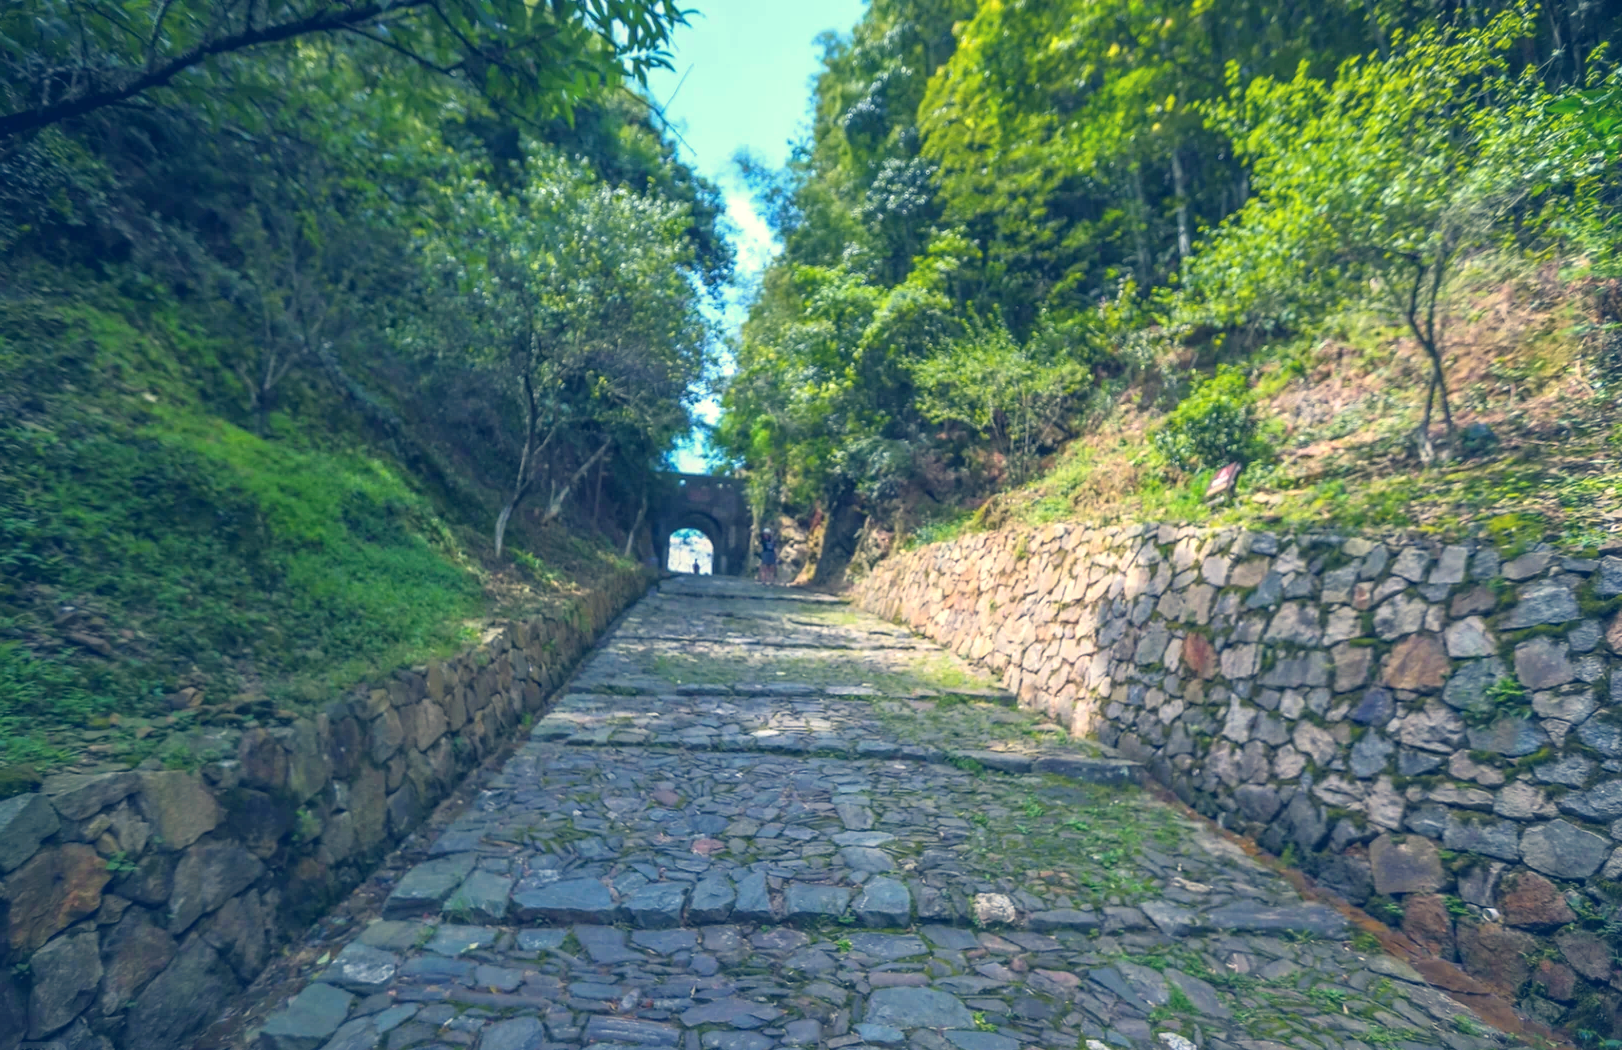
1535,369
165,566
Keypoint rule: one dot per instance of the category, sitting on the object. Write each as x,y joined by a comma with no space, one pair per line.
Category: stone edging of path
137,904
1431,730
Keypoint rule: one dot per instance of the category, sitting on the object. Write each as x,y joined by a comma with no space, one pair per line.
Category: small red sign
1224,481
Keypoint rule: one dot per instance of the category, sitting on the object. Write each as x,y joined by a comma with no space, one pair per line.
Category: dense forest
1053,250
328,332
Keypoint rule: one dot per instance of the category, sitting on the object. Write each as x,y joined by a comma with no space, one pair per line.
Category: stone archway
714,506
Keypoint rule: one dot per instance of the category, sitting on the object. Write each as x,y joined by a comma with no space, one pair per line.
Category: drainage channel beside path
758,819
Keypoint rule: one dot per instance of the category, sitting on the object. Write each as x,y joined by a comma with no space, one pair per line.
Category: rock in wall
1433,732
136,904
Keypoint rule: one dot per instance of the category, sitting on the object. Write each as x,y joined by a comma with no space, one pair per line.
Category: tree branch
26,120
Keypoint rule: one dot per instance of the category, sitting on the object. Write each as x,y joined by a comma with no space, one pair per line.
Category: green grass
135,510
1096,852
1517,499
899,674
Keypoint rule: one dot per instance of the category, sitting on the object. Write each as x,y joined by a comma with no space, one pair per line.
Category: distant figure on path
768,557
695,566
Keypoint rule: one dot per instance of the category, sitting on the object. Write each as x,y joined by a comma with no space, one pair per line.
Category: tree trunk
1427,283
641,512
1140,228
1185,244
597,498
526,471
554,506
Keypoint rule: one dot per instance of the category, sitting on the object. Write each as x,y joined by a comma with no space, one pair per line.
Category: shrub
1212,427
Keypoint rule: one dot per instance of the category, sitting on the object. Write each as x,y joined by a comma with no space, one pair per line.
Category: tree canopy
1043,198
527,58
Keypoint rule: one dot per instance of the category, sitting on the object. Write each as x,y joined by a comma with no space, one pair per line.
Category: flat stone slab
907,1008
571,900
313,1015
362,969
482,898
811,903
693,852
426,887
1249,917
657,906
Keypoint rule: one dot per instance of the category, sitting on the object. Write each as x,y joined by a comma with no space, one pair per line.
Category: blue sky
748,66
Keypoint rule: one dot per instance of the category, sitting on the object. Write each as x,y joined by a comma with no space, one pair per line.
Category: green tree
1010,393
575,302
63,60
1391,172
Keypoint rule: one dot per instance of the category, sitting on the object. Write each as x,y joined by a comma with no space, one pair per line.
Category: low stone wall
1433,732
136,904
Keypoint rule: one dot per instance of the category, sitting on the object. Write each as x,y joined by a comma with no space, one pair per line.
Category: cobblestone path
760,820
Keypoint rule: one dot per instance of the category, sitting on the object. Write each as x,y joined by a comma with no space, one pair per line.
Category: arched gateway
714,506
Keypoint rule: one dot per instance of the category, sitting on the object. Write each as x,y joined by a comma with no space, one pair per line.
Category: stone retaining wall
1433,732
137,903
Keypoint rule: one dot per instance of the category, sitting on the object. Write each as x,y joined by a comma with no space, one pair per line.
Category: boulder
572,900
240,931
1315,741
1467,688
1547,601
1296,623
13,1011
25,822
79,796
712,900
1419,663
906,1008
1351,666
1370,755
1587,953
1514,737
1427,922
884,902
1472,834
1602,802
1435,728
1543,663
1258,803
1572,705
1469,638
262,760
1496,954
362,969
1376,708
181,1000
1400,616
207,876
132,953
64,976
657,906
180,809
1609,583
309,757
51,892
1563,850
1410,866
1532,901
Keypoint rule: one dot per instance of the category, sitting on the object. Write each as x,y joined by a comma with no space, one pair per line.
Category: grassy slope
149,544
1525,357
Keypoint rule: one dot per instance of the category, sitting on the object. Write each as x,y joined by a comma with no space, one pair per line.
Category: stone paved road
760,820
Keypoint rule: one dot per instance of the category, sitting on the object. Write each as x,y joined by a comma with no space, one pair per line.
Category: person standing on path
768,557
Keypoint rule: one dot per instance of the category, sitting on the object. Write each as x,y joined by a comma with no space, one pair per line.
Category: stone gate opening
691,551
714,506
